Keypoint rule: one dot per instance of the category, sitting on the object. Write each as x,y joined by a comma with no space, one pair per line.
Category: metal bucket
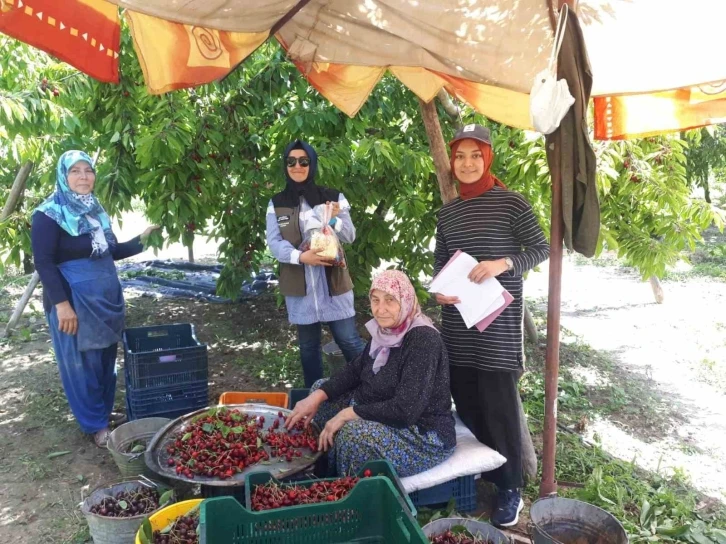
484,531
132,465
107,530
556,520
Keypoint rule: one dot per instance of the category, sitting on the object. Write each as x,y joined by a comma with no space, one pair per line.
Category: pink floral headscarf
396,284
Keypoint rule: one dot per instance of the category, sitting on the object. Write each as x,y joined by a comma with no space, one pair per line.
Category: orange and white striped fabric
643,115
84,33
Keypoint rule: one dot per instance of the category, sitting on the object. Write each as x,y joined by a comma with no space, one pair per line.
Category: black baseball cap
472,132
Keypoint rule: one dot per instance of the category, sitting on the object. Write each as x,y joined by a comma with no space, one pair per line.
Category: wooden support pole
548,485
16,193
17,190
449,106
530,329
438,150
34,279
529,456
554,299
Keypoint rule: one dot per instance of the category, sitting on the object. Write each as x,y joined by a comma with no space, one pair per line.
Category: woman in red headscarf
498,228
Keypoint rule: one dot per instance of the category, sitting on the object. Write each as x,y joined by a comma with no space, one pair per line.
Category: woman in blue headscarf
74,250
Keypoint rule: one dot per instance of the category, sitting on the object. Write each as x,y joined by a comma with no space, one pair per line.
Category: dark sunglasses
302,161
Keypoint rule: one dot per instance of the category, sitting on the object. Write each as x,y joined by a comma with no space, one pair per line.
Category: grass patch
708,260
277,367
49,409
35,469
174,275
650,506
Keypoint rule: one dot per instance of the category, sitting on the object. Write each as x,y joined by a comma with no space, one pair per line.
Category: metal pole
548,485
552,361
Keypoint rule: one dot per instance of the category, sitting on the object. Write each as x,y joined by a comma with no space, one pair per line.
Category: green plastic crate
378,467
373,512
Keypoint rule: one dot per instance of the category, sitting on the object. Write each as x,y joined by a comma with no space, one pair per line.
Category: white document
478,300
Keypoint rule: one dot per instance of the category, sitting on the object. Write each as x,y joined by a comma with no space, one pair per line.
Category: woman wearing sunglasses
315,291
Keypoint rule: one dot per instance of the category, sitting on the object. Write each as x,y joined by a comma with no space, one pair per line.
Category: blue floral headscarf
72,211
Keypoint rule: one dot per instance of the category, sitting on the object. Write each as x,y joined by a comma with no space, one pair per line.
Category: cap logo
469,128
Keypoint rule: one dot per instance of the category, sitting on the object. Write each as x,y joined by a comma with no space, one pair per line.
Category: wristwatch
509,262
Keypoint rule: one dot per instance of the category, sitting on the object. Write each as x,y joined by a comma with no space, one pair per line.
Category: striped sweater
497,224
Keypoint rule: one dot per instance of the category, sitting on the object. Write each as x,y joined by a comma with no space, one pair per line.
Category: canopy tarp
655,62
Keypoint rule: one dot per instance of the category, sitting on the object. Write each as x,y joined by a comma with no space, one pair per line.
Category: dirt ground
671,357
38,495
658,378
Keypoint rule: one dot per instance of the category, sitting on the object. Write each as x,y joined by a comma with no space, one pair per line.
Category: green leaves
205,162
146,532
166,497
57,454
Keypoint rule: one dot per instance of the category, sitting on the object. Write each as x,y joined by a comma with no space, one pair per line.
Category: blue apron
97,300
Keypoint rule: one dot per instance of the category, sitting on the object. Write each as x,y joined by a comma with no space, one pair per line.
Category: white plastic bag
550,99
319,235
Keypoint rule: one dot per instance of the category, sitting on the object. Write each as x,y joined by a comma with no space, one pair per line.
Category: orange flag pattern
643,115
177,56
85,33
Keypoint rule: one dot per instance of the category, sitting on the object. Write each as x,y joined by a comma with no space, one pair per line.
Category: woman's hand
443,299
306,408
336,208
311,258
67,318
327,437
488,269
149,230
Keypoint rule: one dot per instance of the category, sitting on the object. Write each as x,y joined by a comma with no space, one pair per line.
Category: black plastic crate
168,402
163,356
461,489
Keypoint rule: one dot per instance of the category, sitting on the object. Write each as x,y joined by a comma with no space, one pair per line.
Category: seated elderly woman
392,401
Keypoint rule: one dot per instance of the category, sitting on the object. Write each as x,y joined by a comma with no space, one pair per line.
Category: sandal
101,437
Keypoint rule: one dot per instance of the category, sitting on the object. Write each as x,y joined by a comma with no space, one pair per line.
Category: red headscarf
486,182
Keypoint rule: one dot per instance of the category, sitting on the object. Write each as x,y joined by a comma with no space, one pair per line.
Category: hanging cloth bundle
550,99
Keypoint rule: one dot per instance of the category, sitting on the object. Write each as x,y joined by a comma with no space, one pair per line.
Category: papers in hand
480,303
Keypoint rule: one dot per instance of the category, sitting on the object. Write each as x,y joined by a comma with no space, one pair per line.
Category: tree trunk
190,248
35,278
17,190
449,106
438,150
529,456
530,328
657,289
